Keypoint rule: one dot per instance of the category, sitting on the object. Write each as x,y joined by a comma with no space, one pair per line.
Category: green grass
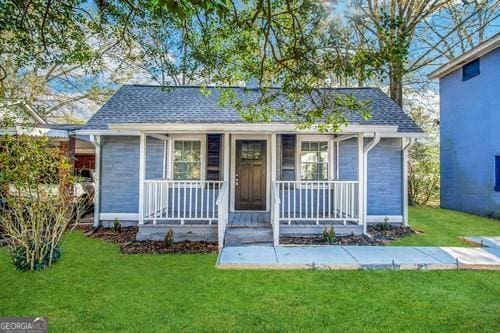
443,227
95,289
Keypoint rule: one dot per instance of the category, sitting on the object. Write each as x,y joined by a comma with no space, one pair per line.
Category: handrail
222,214
222,193
275,211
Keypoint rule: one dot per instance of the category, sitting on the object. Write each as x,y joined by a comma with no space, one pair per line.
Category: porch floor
249,219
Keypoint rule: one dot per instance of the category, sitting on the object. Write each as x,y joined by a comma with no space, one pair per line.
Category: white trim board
119,216
381,218
250,127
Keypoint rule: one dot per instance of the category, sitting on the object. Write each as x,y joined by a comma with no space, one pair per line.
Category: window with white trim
187,160
314,160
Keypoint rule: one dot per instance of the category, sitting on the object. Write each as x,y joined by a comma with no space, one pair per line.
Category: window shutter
288,142
214,145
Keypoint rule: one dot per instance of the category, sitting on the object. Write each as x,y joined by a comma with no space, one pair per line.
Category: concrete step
248,236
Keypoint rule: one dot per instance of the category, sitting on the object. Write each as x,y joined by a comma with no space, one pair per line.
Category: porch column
274,208
142,174
227,157
361,180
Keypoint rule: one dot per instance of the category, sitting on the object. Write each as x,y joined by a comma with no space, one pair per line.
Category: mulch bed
380,236
129,245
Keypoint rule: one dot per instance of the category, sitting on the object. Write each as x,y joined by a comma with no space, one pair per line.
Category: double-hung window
313,160
497,173
187,160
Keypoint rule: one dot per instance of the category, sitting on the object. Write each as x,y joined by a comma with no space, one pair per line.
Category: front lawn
443,227
94,288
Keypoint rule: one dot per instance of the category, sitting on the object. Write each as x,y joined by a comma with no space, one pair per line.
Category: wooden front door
250,177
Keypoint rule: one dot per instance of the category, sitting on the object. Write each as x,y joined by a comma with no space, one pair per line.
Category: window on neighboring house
497,173
314,160
187,160
470,70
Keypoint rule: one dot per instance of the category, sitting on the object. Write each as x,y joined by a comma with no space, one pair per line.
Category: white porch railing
335,200
182,200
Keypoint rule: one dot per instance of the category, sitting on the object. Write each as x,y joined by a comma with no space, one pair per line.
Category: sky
340,9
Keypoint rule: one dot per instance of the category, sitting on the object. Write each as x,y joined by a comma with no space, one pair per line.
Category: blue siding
154,158
470,138
384,174
120,174
348,159
385,178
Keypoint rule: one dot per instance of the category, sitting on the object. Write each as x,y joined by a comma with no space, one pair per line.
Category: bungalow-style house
175,158
469,89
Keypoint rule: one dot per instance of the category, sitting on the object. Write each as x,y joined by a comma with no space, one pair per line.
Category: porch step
248,236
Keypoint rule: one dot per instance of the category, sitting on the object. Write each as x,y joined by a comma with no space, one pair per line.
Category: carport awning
36,131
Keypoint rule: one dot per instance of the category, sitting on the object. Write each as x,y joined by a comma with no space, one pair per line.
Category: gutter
366,150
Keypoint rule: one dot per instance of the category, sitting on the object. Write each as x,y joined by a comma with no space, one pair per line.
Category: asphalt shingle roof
152,104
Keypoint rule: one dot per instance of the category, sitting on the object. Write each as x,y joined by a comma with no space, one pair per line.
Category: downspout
406,148
366,150
96,141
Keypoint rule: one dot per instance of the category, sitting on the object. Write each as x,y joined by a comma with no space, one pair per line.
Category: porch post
227,157
274,213
142,173
361,180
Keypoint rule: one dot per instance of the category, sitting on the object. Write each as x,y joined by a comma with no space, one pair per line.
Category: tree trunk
396,84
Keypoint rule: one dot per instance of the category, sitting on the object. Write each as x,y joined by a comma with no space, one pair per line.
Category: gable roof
186,104
476,52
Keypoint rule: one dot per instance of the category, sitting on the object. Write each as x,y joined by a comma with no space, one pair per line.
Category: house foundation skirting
181,232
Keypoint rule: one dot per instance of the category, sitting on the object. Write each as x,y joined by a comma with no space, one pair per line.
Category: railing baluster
289,200
196,202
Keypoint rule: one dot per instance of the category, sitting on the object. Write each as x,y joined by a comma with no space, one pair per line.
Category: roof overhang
137,128
36,131
474,53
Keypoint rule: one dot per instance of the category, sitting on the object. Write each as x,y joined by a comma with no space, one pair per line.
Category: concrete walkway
358,257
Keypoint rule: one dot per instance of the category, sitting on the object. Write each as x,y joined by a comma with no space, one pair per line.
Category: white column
142,175
96,140
274,208
273,157
227,157
361,180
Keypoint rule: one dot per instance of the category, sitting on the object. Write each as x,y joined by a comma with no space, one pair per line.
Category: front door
250,181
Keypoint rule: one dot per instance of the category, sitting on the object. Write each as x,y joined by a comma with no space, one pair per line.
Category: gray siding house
174,158
469,89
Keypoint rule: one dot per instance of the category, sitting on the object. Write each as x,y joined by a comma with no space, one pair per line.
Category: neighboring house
470,130
28,122
174,158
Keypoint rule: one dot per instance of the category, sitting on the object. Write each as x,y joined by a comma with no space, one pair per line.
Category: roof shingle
152,104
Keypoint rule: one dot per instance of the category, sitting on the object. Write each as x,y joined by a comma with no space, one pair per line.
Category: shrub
117,227
47,256
329,235
40,199
169,239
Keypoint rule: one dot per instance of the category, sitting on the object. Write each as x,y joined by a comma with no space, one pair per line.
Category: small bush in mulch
129,245
380,236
